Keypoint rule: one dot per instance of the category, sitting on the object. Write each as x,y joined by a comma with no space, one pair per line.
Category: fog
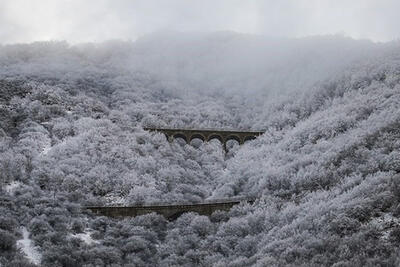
92,21
191,64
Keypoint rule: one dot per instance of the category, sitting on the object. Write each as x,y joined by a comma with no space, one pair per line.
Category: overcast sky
98,20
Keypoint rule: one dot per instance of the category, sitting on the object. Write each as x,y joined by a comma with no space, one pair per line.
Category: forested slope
325,173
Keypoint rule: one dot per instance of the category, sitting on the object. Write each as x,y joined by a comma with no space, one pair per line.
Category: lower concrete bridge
170,212
207,134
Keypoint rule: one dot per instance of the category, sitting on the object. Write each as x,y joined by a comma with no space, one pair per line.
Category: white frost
10,188
27,247
46,147
113,199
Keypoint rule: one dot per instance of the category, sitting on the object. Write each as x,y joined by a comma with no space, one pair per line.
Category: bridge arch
197,135
249,138
234,137
167,136
180,135
215,136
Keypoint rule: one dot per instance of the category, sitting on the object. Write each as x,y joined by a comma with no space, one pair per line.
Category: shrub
7,241
77,226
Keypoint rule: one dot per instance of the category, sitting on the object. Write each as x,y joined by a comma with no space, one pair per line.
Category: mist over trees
325,174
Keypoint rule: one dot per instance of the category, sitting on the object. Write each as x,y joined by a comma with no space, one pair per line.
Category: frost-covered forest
325,174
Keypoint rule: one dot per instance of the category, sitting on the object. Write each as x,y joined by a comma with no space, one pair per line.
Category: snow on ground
46,147
10,188
85,237
27,247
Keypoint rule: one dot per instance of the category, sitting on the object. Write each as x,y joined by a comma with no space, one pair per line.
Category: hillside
325,174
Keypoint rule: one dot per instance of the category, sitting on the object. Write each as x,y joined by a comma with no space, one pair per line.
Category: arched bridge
170,212
207,134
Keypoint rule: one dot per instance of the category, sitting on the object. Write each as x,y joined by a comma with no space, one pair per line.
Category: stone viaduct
170,212
207,134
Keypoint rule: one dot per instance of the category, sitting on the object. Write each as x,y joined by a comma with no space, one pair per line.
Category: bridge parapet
208,134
